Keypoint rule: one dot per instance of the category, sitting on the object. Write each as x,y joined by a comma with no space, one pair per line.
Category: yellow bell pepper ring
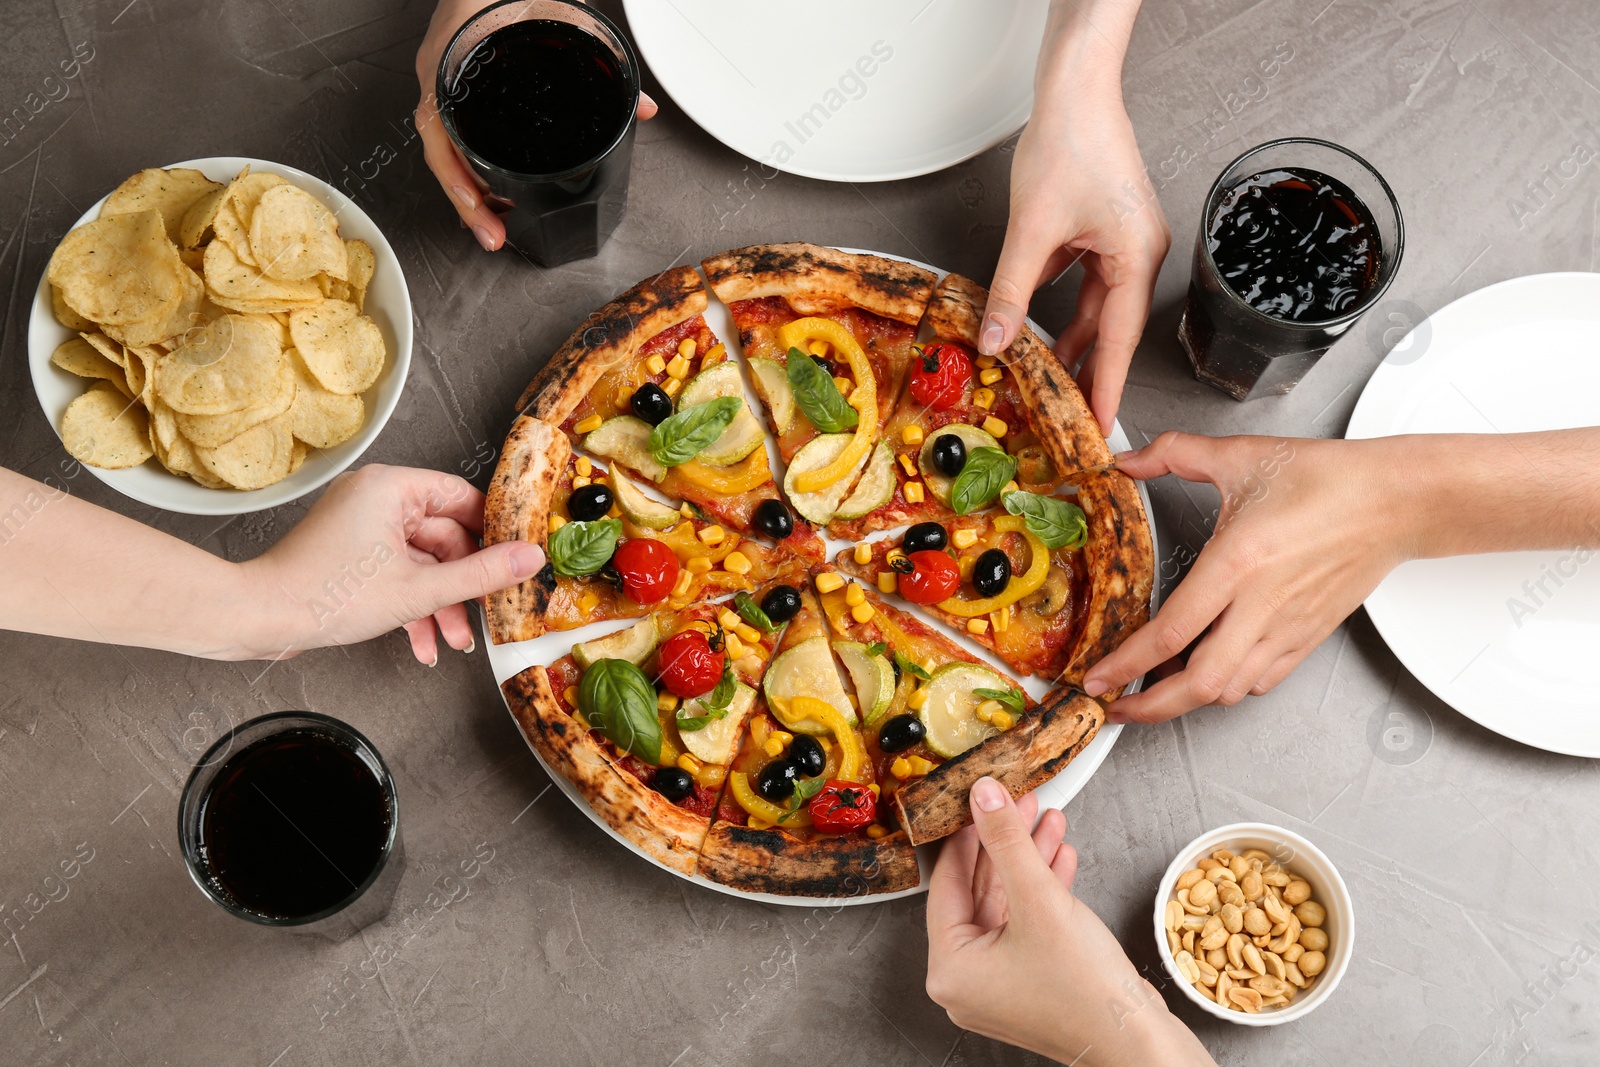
1020,586
864,397
852,754
760,808
749,473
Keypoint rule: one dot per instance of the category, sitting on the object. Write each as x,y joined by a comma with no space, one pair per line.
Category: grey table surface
520,933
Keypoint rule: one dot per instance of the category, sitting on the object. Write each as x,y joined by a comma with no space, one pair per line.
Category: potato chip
119,270
295,237
107,347
319,417
362,265
257,458
213,431
78,356
193,258
185,314
140,369
230,364
335,289
231,281
65,315
230,230
170,192
105,429
298,456
341,347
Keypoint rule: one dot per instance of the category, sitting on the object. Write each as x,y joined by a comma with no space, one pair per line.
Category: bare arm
385,547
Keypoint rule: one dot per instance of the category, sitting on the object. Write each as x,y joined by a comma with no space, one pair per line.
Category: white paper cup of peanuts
1263,932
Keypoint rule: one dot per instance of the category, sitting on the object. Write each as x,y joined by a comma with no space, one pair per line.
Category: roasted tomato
840,807
939,378
689,666
934,576
648,569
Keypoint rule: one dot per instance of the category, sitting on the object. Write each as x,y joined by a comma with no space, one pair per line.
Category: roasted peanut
1252,885
1229,893
1235,949
1293,952
1203,893
1275,964
1314,939
1256,922
1208,973
1269,986
1174,914
1247,999
1188,878
1187,967
1218,958
1253,960
1296,892
1293,975
1311,963
1232,918
1310,913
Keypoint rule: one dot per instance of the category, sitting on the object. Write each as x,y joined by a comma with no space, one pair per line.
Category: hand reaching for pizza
1013,955
1079,191
472,201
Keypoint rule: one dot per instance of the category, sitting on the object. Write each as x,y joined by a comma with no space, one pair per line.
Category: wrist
1082,53
259,617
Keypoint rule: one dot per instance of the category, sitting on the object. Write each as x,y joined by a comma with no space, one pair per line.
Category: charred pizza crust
1023,758
768,861
816,280
517,508
1122,570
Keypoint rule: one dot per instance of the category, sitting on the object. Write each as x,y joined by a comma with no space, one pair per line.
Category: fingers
455,627
647,108
1022,258
1193,457
423,643
1127,308
486,571
1065,866
458,181
1197,601
1212,668
441,494
1049,835
446,540
1080,333
1280,670
1009,843
950,902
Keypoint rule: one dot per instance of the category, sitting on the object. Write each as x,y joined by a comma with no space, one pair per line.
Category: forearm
1084,44
1473,493
71,569
1148,1035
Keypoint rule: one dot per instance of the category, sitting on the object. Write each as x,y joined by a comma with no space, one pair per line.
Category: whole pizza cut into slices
829,337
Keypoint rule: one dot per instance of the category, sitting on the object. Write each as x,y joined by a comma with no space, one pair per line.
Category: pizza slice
645,384
828,337
1018,414
800,814
645,721
613,552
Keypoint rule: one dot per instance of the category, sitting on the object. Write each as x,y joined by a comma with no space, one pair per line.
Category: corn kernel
579,483
977,626
912,434
614,513
908,464
917,698
783,737
698,565
588,425
570,695
1010,487
584,467
656,364
712,535
877,830
985,362
671,386
748,634
966,566
1002,720
895,558
854,595
736,563
773,747
734,646
983,398
990,376
681,588
556,522
876,790
987,709
844,385
900,768
828,581
996,427
688,763
678,368
623,397
714,355
710,775
920,765
728,620
913,492
818,348
964,538
759,730
758,824
686,348
666,702
588,602
888,582
863,553
862,612
1001,619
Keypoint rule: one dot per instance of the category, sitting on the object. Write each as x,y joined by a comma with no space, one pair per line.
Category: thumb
1192,457
1008,840
483,572
1016,276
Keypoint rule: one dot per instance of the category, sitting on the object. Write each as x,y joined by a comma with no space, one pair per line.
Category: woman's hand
471,198
1307,529
385,547
1013,955
1079,191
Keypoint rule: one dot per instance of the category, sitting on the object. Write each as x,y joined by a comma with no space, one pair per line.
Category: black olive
949,454
674,783
609,573
547,577
781,603
773,519
900,733
991,573
807,755
924,537
776,780
651,403
589,502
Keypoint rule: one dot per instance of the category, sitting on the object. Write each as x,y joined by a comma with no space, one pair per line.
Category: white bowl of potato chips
220,336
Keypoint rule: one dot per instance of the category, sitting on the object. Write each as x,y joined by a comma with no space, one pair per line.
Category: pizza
766,719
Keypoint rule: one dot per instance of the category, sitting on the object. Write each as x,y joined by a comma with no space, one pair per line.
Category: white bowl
1294,852
388,303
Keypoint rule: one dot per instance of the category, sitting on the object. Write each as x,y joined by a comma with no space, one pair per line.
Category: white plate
507,660
1518,356
843,90
388,304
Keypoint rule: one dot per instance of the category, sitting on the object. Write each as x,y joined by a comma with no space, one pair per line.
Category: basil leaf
751,612
581,548
804,790
681,437
980,481
619,700
877,648
817,396
1015,699
700,722
912,668
722,695
1058,523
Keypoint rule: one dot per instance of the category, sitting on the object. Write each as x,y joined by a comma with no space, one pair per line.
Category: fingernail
526,560
472,646
1095,686
993,337
1116,718
434,662
988,794
465,195
484,238
1120,456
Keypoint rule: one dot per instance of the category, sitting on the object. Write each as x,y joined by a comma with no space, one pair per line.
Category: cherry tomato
689,668
840,807
934,577
648,569
940,378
